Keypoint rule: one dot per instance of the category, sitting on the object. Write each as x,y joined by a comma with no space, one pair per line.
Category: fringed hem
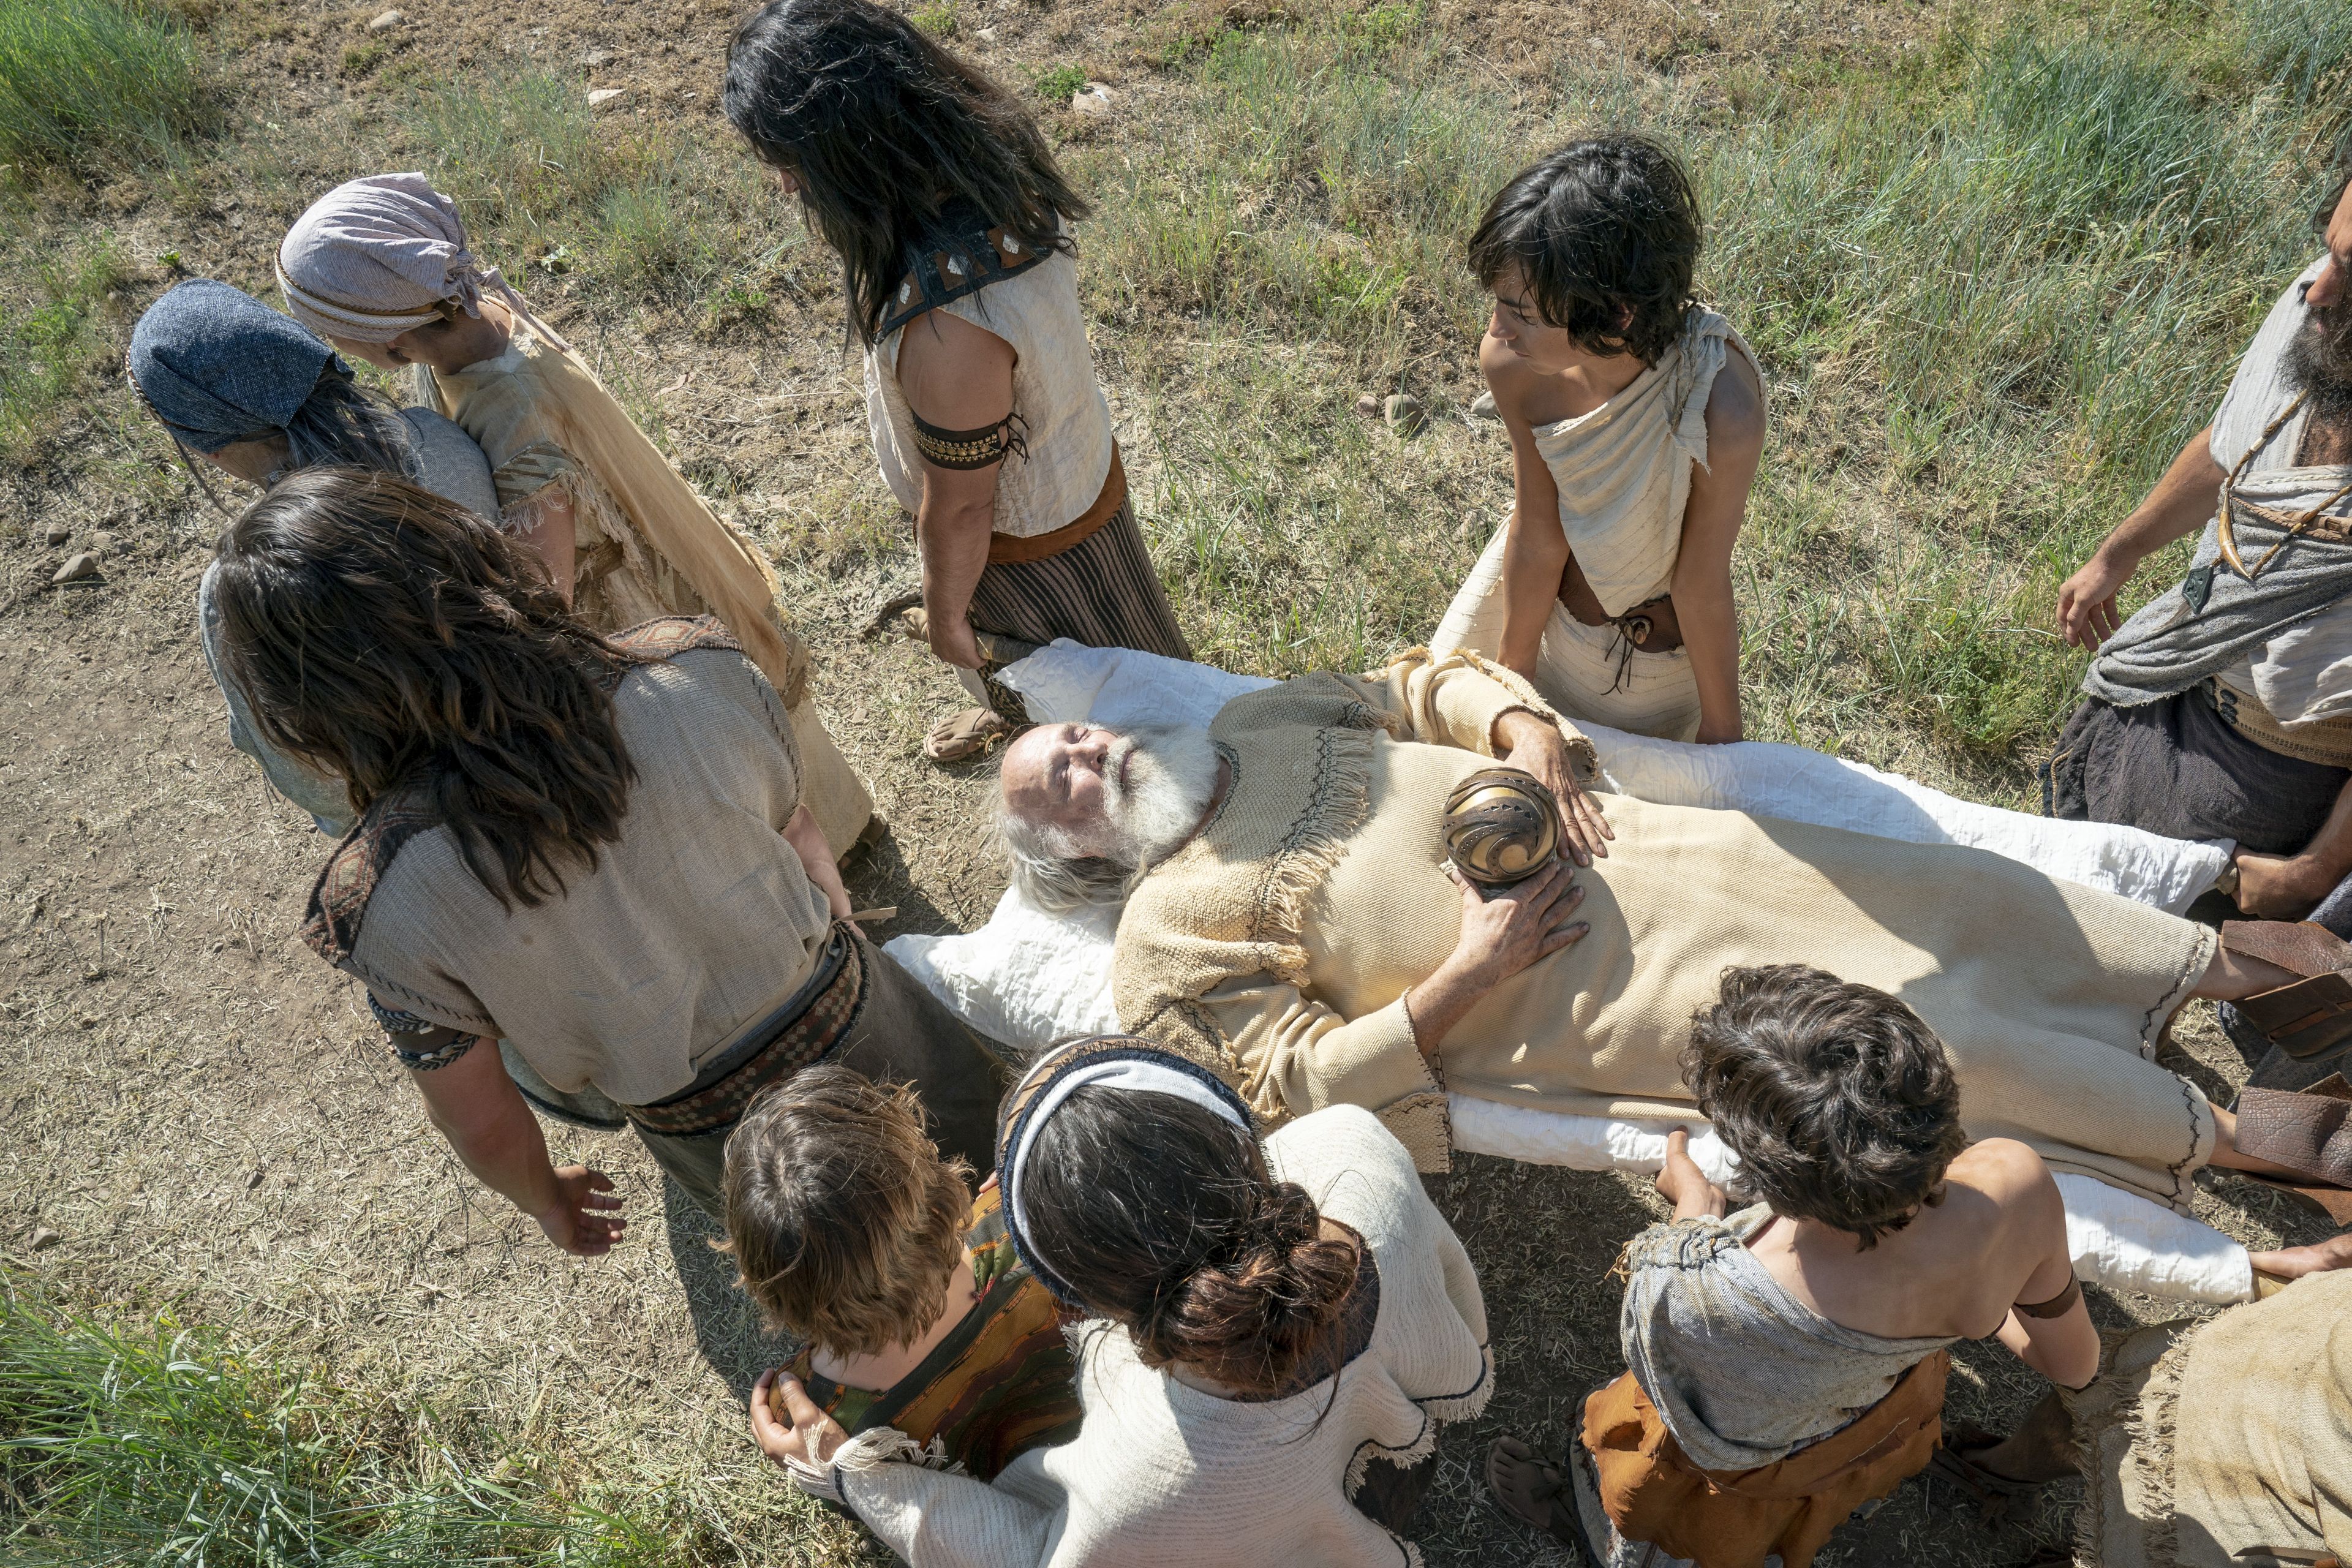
1404,1456
1470,1404
869,1450
1336,808
2140,1490
2149,1428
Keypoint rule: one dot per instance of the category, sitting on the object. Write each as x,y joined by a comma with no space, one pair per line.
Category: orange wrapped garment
1735,1520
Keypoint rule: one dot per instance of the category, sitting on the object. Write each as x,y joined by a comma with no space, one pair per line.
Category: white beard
1171,775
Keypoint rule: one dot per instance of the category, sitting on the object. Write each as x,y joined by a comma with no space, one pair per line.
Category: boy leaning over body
1788,1361
850,1230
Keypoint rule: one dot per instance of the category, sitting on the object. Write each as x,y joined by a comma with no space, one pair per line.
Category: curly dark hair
884,128
396,640
1838,1099
1163,1217
1607,233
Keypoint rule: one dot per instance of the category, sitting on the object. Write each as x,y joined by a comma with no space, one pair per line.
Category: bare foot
2294,1262
2279,887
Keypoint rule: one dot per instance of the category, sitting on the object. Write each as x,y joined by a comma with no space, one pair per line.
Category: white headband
1125,1074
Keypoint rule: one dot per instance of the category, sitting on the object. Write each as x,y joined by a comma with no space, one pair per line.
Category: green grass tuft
83,79
2302,47
50,353
634,205
165,1444
1055,84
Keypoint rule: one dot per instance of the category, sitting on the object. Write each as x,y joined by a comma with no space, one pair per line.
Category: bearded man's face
2319,360
2319,363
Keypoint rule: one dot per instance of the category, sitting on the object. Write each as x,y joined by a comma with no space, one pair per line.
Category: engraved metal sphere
1501,825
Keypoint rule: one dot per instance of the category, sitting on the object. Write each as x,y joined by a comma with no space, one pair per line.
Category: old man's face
1122,795
1055,776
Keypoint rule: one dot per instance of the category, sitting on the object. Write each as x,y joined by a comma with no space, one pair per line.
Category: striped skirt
1101,593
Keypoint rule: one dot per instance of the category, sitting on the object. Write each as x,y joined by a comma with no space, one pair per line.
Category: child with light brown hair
850,1230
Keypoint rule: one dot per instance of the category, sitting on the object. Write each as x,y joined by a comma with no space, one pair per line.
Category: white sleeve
934,1519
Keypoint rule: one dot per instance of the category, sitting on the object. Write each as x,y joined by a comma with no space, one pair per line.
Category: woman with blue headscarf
257,396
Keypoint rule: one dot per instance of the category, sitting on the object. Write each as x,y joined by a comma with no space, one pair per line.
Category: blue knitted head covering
217,366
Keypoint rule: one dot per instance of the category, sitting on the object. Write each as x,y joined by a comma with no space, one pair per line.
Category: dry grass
1959,290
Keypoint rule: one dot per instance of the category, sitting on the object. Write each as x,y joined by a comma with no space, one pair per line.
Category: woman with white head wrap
1280,1329
382,267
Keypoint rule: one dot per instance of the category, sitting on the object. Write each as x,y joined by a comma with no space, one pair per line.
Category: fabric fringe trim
1469,1404
2145,1490
870,1450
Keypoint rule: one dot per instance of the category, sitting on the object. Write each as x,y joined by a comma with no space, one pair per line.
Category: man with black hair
2223,709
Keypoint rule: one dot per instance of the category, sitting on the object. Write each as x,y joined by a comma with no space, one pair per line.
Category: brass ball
1501,825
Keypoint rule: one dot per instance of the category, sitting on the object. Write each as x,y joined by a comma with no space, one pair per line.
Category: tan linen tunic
697,922
2225,1441
644,538
1287,932
1623,474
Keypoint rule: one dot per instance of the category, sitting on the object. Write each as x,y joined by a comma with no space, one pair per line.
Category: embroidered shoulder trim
338,900
946,267
667,637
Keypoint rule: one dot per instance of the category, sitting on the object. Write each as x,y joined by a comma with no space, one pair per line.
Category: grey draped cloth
2216,616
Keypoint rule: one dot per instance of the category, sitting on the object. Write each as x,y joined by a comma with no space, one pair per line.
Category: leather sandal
1541,1498
2306,1017
1993,1494
962,736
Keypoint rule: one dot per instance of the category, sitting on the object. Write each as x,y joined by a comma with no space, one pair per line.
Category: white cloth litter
2117,1240
1028,978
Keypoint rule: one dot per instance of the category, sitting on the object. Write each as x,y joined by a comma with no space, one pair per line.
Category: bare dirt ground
202,1119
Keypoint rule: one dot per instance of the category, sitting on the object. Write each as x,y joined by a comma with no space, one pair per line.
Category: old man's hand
1535,746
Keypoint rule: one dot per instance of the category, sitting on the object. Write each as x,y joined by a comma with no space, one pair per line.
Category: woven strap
792,1043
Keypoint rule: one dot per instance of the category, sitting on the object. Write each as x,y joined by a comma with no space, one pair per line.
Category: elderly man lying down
1287,904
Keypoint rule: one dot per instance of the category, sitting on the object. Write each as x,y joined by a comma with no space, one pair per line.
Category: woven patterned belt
806,1033
2327,742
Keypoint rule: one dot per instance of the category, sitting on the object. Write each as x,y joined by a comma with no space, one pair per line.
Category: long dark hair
1163,1217
884,128
397,641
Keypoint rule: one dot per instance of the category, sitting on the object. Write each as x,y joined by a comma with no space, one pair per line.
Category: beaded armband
420,1044
970,449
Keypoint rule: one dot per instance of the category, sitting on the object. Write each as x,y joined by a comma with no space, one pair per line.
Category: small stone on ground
385,21
1092,100
602,96
43,1238
59,535
1406,414
82,566
1368,406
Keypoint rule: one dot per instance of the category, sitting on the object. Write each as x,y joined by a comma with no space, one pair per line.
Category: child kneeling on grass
1788,1362
850,1230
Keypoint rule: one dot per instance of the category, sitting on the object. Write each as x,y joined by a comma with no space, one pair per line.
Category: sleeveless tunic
1743,1373
1064,419
1623,472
